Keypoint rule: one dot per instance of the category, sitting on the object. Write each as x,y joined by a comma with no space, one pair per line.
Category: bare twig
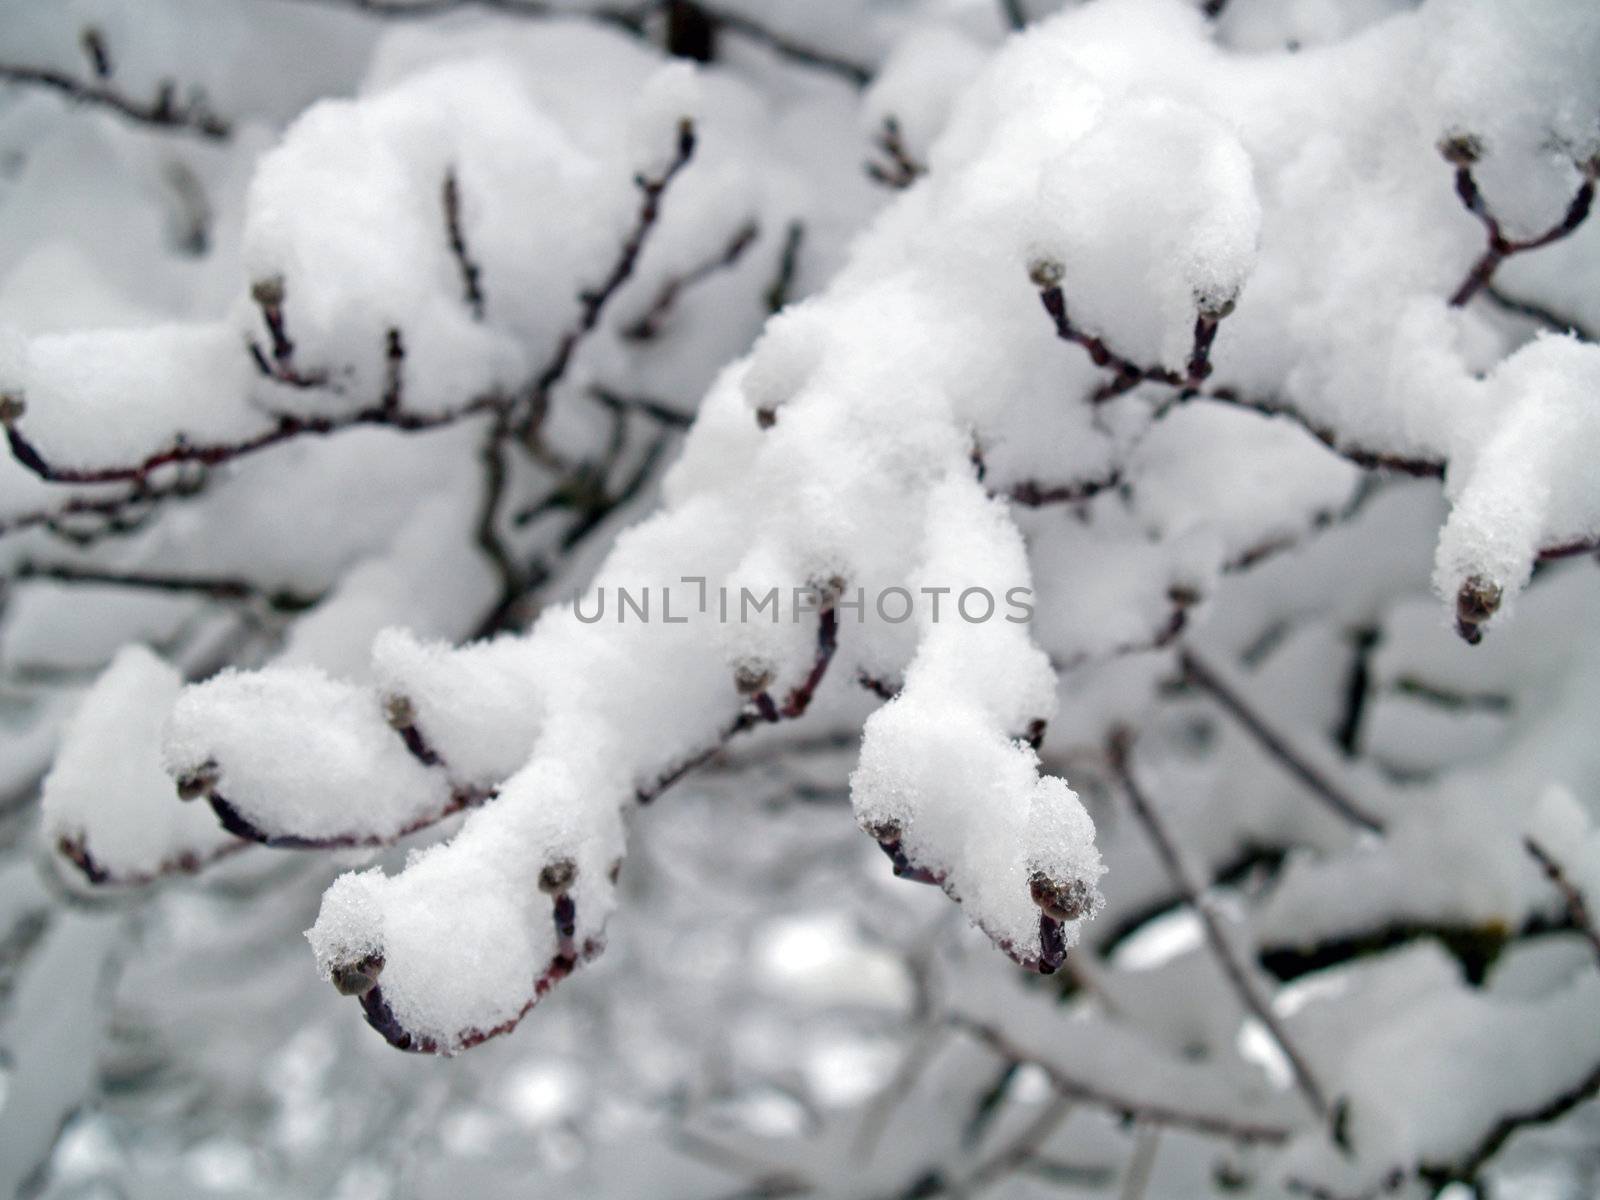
181,450
471,273
1530,310
761,710
83,520
648,325
902,169
1577,904
656,410
1151,1113
1233,967
632,18
223,588
76,851
1030,493
1208,680
164,111
593,302
1462,151
854,73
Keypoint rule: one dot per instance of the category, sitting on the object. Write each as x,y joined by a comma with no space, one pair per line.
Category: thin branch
902,168
1462,151
1577,905
1208,680
782,288
649,324
1126,373
471,273
1233,967
1530,310
164,111
76,851
593,302
1030,493
124,513
1152,1113
222,588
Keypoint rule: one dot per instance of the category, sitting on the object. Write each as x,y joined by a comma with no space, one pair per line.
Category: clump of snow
108,776
299,753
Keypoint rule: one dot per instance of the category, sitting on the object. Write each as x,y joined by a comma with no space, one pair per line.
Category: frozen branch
593,302
1031,493
84,520
181,450
1545,317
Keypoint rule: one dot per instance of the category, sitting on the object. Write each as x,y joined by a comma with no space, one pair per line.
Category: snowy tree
491,483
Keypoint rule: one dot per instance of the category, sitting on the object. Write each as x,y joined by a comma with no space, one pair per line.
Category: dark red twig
1462,151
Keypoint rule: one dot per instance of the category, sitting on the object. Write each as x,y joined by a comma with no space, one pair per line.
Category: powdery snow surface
1162,288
